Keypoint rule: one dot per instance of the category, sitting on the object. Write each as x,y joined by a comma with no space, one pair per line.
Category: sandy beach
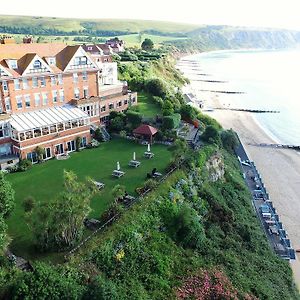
279,168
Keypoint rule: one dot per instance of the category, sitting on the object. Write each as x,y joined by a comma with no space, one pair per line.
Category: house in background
116,45
50,94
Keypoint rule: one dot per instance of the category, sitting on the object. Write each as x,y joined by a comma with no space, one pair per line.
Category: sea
269,80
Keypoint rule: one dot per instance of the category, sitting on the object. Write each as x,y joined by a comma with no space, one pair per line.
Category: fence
115,217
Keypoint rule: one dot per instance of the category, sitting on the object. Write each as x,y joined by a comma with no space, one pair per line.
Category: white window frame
43,81
7,104
37,99
61,95
54,95
19,100
25,83
26,97
53,80
4,86
60,79
45,98
76,93
35,82
17,84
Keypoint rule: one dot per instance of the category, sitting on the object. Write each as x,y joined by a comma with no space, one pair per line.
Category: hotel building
50,94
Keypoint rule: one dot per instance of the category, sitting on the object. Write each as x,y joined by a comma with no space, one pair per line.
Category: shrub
229,140
211,135
40,152
171,122
98,135
116,124
78,143
28,203
24,165
134,118
187,112
157,87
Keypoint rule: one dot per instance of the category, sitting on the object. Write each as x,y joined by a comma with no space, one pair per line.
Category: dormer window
13,64
51,61
37,64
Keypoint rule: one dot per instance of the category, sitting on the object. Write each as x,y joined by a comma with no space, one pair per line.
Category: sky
257,13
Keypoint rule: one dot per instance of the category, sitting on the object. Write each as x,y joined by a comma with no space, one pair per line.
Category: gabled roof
24,61
64,56
145,130
92,48
5,69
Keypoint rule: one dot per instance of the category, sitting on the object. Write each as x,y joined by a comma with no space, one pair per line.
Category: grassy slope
44,182
154,263
98,24
147,107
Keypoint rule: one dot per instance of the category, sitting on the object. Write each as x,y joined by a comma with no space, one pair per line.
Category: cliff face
215,167
224,37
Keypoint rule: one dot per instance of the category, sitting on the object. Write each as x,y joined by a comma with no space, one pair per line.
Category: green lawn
44,182
147,107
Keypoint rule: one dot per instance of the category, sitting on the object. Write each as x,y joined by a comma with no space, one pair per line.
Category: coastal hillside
185,37
225,37
192,235
48,25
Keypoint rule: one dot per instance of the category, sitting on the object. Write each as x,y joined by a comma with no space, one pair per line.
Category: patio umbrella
118,166
149,148
133,155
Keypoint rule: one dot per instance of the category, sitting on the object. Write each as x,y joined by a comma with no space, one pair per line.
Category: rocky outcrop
215,167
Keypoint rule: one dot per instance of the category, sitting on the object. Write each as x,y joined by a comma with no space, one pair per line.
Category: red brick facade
69,76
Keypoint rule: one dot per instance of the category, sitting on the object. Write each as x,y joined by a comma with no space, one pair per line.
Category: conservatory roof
46,117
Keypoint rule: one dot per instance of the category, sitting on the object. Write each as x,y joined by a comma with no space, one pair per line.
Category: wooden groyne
279,146
223,92
249,110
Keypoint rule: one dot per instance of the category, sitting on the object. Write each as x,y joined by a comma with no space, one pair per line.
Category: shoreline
279,168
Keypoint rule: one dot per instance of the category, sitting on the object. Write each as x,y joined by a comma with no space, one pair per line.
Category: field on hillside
69,25
132,40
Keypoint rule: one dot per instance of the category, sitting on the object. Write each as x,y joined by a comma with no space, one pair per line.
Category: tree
229,140
48,282
116,124
7,197
147,44
118,192
211,135
187,112
58,224
3,235
167,108
157,87
40,152
134,118
179,149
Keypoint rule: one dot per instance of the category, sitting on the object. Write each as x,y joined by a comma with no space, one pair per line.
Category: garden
45,181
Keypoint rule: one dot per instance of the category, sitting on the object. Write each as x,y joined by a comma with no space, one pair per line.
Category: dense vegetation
170,244
194,236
